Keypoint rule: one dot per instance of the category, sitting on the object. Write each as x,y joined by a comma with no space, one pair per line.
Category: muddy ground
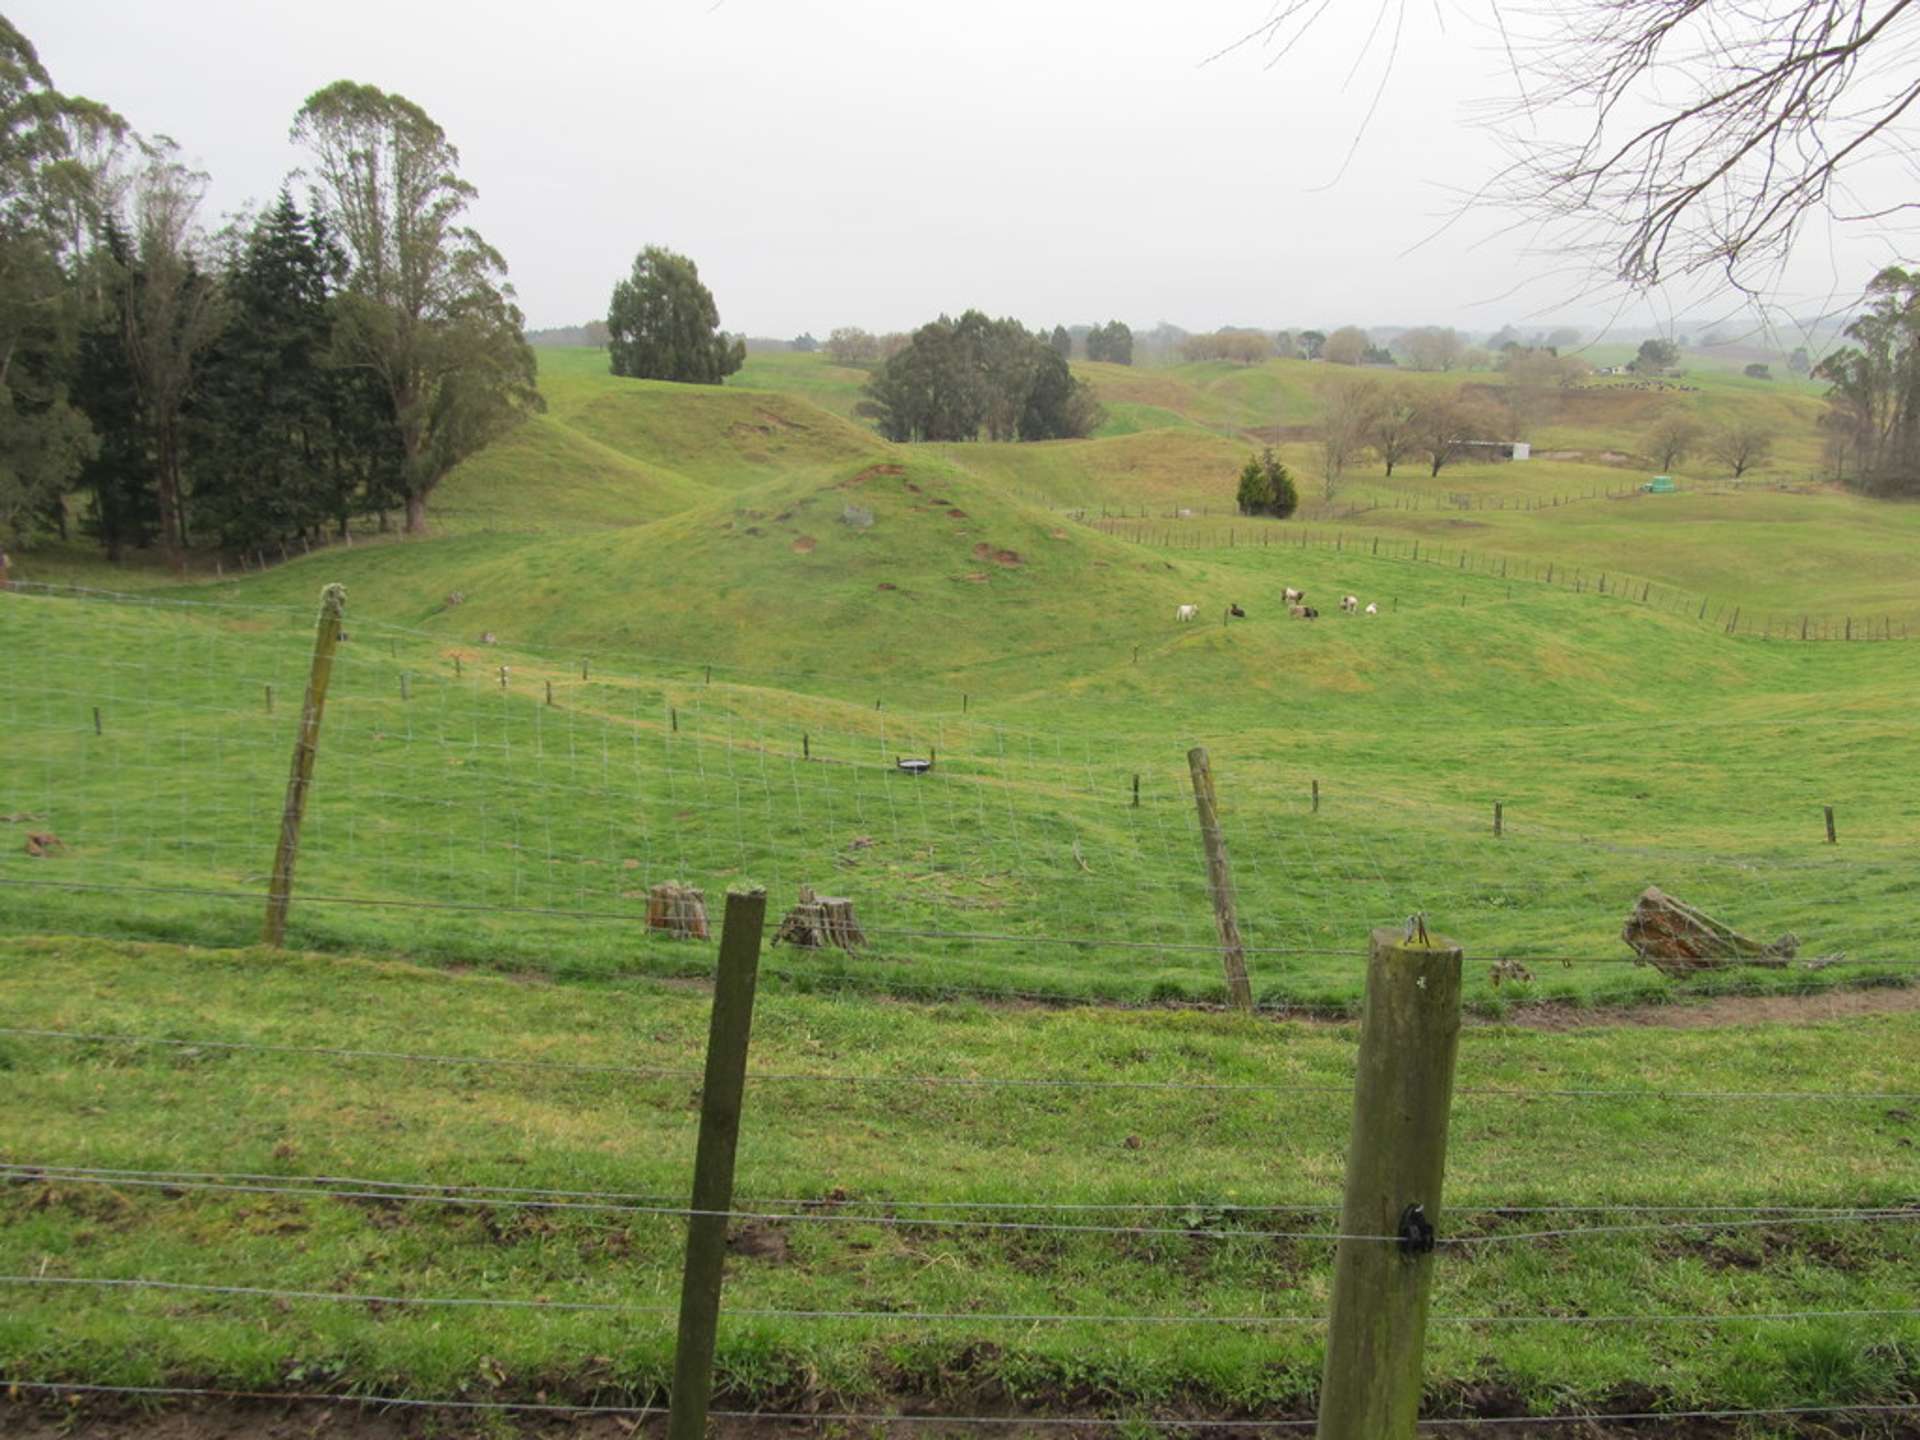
54,1418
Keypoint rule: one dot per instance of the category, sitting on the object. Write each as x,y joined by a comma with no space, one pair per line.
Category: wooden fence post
1233,955
1396,1160
1832,839
1136,792
1498,819
326,638
1316,797
721,1094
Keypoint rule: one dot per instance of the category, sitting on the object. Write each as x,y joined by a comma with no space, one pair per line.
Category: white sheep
1350,603
1293,596
1186,612
1372,609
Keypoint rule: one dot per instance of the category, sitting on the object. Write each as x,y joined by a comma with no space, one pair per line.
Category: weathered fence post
1396,1160
1136,792
1233,955
1832,839
721,1094
1316,797
1499,817
326,638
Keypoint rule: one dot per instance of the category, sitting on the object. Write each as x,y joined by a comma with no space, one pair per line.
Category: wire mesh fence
514,808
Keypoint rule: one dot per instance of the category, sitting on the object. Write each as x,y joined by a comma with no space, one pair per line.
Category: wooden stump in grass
680,910
819,921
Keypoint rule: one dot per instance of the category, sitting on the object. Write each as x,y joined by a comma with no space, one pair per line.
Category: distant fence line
1732,618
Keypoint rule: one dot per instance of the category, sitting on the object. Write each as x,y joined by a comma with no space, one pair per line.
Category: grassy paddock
530,831
876,1145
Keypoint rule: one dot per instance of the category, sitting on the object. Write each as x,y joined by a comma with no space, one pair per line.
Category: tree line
960,379
1872,424
302,367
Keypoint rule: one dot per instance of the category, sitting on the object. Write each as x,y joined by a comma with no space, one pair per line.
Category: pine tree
662,324
262,430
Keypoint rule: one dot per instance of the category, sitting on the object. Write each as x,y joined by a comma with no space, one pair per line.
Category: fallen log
1678,940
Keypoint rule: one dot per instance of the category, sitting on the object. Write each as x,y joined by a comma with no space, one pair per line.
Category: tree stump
680,910
1678,940
821,920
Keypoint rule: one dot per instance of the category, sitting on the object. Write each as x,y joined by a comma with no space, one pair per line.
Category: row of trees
851,346
1397,423
957,379
1873,408
299,369
1739,445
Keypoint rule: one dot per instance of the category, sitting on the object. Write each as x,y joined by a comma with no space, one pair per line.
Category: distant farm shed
1493,449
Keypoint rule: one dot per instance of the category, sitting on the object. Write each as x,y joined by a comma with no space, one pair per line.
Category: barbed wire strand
1863,1215
978,1316
37,1170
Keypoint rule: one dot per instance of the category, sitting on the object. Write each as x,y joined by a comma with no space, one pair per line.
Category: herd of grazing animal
1296,603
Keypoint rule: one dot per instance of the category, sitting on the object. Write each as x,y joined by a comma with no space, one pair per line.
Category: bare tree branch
1663,138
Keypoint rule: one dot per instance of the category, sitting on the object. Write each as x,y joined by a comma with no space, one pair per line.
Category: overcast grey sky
873,162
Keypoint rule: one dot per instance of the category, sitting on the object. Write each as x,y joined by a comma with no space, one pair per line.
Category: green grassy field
681,634
849,1160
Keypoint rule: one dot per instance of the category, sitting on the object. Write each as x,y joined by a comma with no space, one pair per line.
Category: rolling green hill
666,634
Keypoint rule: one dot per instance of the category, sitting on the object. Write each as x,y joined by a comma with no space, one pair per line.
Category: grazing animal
1186,612
1236,612
1372,609
1311,613
1350,603
1303,612
1293,596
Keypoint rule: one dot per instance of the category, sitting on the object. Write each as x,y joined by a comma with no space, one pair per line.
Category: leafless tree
1534,380
1703,133
1443,423
1392,433
1431,347
1672,439
171,313
1244,347
1346,346
1347,408
1741,445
